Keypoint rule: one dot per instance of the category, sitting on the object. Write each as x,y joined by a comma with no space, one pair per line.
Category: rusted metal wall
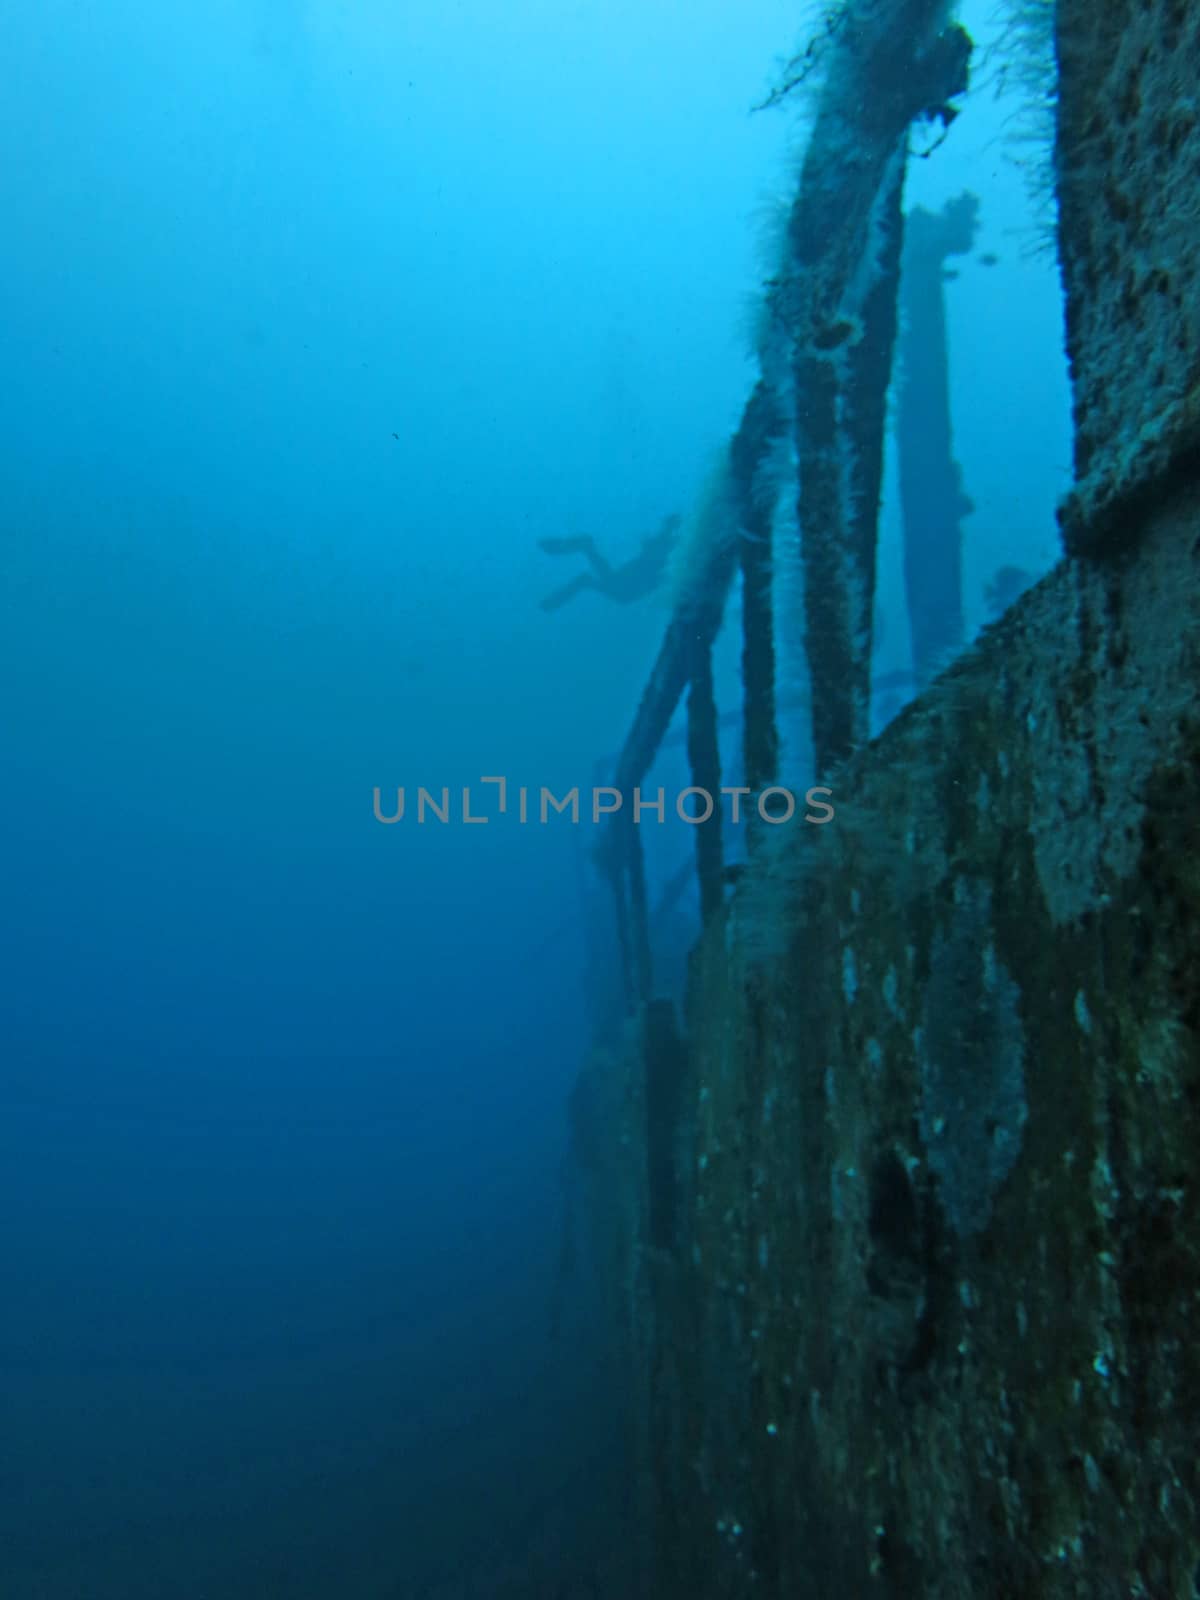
1129,188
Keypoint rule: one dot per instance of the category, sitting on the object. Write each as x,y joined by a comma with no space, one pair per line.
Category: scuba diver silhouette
630,581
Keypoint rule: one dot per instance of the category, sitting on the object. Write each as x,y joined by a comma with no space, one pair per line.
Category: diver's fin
559,597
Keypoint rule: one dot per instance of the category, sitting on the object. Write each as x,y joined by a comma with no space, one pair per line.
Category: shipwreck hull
921,1318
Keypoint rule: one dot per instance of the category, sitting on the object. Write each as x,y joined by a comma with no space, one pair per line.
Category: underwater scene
600,630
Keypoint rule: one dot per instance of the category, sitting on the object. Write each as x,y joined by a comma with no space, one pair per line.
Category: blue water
314,318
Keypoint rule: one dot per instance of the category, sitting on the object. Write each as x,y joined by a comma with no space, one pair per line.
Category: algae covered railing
825,350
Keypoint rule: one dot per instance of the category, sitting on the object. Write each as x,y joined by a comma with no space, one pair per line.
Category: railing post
704,757
931,494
